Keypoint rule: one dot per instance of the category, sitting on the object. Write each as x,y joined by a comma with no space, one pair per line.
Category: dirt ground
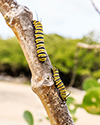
15,98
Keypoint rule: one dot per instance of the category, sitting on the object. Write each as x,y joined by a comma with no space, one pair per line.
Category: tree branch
95,7
87,46
19,19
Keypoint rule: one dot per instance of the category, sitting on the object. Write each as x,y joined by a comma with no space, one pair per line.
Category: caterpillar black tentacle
59,84
39,40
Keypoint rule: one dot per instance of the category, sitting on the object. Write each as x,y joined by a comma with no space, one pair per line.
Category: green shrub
11,53
96,74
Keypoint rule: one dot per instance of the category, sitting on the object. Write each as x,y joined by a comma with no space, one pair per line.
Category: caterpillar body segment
59,84
39,40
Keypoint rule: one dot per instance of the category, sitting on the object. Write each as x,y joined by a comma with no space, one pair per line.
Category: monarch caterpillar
39,40
60,84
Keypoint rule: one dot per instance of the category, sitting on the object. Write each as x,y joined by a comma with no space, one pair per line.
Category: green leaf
28,117
91,101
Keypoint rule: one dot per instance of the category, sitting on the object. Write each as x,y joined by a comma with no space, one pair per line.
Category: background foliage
61,51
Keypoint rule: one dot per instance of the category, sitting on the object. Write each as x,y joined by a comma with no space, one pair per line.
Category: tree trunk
19,19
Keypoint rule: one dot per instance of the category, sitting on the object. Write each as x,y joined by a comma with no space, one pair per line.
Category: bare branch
19,19
87,46
95,7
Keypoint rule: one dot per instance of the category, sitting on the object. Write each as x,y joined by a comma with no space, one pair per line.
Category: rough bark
19,19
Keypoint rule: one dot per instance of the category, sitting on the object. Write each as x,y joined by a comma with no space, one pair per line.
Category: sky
69,18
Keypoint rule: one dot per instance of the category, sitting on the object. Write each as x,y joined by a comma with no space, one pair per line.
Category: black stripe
56,75
62,89
40,37
42,56
57,79
39,26
40,48
55,70
59,83
41,53
61,86
63,92
39,29
39,33
40,43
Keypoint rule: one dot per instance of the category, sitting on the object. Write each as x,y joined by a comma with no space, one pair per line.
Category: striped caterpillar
39,40
59,84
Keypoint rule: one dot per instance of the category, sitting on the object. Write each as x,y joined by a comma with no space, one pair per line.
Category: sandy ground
16,98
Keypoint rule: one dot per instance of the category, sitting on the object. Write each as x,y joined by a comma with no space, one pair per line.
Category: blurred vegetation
90,83
12,60
61,51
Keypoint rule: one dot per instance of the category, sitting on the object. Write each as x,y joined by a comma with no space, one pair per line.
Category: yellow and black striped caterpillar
59,84
39,40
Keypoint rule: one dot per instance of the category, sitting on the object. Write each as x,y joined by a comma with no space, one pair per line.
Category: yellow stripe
61,85
38,31
40,50
38,35
62,90
37,25
64,96
34,22
41,55
56,74
57,82
42,59
38,28
40,45
39,40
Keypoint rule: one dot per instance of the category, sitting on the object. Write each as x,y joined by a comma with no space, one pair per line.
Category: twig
95,7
